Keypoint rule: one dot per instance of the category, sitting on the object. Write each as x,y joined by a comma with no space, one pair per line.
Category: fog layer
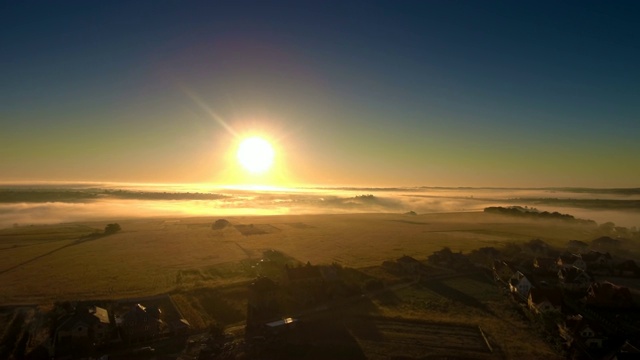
55,203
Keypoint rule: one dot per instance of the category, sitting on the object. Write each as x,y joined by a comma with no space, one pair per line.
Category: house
141,323
567,327
574,279
545,266
88,324
608,295
577,328
545,300
568,260
409,265
519,284
591,335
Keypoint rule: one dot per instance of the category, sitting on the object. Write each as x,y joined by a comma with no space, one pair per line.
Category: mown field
40,264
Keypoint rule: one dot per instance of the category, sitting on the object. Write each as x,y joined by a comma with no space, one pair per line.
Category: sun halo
255,154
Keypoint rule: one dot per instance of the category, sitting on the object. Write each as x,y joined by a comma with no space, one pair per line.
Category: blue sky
436,93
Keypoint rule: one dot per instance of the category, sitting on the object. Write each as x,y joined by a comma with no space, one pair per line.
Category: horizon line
270,187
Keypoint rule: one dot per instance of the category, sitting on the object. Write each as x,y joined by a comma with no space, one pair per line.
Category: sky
362,93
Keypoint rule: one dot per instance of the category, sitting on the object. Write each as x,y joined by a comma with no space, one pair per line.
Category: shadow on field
363,328
318,338
446,291
79,241
218,308
387,298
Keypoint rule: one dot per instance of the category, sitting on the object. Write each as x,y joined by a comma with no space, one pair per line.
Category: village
583,296
580,298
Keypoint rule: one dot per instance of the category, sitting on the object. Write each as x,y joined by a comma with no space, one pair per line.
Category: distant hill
56,195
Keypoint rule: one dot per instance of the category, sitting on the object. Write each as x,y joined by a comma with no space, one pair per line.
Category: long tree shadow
81,240
447,291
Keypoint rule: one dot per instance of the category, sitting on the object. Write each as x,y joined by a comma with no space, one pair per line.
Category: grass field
40,264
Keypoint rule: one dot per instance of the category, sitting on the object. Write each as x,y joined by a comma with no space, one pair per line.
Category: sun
255,154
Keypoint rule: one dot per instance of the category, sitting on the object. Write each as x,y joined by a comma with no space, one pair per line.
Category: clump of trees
112,228
533,213
484,255
220,224
450,259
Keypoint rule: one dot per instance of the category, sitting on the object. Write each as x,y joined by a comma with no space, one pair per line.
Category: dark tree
441,256
484,255
511,250
536,246
577,246
112,228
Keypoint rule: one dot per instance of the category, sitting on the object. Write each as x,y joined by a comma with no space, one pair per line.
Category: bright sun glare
255,154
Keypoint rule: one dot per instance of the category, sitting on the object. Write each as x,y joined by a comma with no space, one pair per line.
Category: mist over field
44,203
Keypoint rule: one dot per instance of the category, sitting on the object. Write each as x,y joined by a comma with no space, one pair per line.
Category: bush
112,229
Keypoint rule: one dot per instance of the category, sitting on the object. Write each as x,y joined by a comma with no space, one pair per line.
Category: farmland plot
385,337
467,301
